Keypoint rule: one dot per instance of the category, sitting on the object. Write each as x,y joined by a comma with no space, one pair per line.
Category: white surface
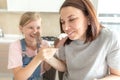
34,5
8,38
109,6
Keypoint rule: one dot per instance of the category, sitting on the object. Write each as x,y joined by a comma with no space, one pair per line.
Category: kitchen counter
8,38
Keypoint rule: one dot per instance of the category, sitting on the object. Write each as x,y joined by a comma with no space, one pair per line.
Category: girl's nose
35,30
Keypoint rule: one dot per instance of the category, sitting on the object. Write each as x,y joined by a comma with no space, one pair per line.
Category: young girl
24,59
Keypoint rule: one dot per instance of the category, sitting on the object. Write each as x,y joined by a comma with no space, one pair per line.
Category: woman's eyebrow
70,16
67,17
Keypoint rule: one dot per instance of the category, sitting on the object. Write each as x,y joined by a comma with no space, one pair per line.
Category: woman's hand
46,53
60,42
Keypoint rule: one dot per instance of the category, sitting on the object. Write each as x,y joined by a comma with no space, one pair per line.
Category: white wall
95,3
34,5
109,6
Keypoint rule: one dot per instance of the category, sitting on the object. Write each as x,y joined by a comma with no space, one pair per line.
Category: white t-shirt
91,60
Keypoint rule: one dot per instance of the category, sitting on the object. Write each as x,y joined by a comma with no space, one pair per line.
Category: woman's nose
66,26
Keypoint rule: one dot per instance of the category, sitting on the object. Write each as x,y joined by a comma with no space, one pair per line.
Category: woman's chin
73,38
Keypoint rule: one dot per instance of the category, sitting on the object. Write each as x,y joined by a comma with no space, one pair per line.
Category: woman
90,51
26,55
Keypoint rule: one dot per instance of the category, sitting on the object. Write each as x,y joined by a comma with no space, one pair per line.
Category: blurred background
108,12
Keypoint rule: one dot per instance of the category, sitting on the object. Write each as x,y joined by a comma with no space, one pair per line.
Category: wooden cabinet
3,5
4,60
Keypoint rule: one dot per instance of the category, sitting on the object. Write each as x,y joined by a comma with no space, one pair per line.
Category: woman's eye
72,19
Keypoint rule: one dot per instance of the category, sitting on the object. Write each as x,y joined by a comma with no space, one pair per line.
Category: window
109,13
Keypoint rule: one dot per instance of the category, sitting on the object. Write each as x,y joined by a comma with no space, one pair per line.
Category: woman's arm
48,54
114,75
57,64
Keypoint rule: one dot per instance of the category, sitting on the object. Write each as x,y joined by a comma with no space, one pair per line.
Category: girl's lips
32,36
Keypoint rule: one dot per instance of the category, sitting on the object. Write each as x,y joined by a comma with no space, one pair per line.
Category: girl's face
30,29
74,23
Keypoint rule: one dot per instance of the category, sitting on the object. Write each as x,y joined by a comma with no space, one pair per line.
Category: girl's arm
21,73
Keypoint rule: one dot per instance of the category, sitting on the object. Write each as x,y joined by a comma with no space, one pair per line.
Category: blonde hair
27,17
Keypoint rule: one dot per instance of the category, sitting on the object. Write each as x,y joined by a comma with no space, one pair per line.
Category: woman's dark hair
88,10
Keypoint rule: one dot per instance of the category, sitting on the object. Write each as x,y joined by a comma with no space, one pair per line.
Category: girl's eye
31,27
38,27
62,22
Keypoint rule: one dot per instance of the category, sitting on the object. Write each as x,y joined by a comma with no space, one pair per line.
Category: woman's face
74,23
30,29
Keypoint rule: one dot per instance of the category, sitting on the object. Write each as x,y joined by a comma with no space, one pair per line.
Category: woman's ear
88,21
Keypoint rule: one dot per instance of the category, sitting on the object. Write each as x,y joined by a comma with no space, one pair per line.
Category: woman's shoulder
110,33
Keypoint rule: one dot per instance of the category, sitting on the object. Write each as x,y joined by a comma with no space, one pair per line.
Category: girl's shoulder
15,43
